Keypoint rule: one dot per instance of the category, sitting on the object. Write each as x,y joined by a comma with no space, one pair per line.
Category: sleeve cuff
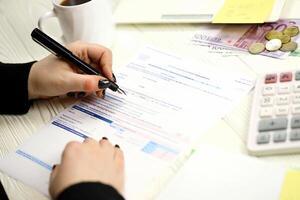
14,88
90,191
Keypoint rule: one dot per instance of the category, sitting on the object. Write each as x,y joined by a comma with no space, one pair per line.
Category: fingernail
71,94
104,138
103,84
117,146
53,167
114,78
114,87
81,94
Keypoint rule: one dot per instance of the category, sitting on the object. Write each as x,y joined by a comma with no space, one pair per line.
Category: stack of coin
277,40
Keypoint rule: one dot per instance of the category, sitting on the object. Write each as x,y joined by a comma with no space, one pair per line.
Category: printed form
170,101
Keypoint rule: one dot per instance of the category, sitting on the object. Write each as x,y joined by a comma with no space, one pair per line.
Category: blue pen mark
92,114
69,129
34,159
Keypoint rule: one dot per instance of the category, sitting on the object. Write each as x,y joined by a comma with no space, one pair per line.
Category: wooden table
19,17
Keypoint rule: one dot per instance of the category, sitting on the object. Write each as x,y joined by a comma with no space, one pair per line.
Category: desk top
19,17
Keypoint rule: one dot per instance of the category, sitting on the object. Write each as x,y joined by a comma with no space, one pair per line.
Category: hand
90,161
53,76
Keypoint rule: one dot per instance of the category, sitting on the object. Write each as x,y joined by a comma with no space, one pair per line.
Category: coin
273,45
284,39
273,35
290,46
291,31
256,48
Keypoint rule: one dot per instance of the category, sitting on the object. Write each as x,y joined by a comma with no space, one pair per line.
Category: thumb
83,82
52,184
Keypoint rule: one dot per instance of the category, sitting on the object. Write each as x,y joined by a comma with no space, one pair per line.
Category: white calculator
275,114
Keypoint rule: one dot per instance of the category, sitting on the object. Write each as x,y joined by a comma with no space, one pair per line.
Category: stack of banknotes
275,40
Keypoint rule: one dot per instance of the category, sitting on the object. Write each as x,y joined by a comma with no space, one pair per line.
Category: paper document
170,101
213,174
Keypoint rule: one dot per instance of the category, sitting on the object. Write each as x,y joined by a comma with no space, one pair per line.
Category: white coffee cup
91,21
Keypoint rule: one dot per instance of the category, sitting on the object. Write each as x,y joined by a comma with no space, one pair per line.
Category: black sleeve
90,191
14,88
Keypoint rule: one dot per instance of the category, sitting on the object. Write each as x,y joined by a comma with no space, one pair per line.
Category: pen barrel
62,52
86,68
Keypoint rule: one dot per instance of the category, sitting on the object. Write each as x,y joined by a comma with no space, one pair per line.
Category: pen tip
122,91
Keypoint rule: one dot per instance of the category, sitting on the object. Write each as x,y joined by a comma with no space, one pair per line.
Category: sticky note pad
290,188
244,11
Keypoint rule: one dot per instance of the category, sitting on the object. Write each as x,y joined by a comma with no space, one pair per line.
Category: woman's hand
53,76
90,161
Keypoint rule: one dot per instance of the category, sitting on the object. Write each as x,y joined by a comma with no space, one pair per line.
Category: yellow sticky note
244,11
291,186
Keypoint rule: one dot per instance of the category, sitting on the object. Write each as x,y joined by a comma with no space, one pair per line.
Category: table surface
19,17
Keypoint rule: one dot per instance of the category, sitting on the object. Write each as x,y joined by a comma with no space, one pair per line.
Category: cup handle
42,19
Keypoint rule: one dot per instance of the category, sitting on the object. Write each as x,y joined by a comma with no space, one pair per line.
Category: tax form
170,101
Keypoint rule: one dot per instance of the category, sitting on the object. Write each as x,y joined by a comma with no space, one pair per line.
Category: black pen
62,52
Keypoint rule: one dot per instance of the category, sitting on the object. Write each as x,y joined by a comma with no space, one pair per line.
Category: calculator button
297,75
269,90
272,124
296,99
279,136
296,109
297,87
263,138
295,135
266,112
283,100
271,78
286,77
283,89
282,110
267,101
295,122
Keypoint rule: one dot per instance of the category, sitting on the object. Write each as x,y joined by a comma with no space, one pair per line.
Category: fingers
119,157
90,141
106,145
53,175
101,93
72,148
103,57
77,95
98,54
82,82
120,165
54,171
106,63
117,151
